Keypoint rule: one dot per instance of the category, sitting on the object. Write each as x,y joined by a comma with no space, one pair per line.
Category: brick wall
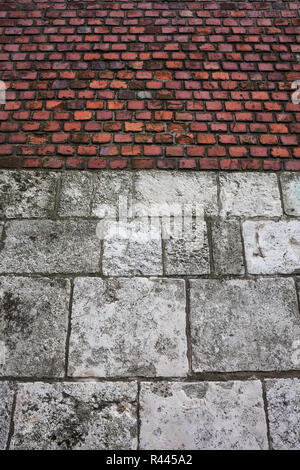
166,84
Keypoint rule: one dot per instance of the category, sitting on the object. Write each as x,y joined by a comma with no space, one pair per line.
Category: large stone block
243,325
290,184
283,398
6,402
33,326
113,193
272,247
206,415
79,416
48,246
128,327
227,247
76,194
249,195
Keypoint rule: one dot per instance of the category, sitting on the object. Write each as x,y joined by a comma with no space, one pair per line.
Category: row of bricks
150,163
155,150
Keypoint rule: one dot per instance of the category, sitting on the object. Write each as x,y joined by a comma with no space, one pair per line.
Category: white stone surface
6,402
283,398
272,247
50,246
132,248
76,194
128,327
249,195
227,247
27,193
290,183
206,415
113,194
243,325
33,326
75,416
165,192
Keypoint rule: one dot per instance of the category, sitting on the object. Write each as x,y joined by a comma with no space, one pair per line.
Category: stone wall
149,340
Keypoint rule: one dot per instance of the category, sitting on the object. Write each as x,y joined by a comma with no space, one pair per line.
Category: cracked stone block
6,402
189,253
227,247
113,194
162,193
283,398
76,194
272,247
48,246
132,248
243,325
249,195
33,326
27,193
206,415
128,327
75,416
290,184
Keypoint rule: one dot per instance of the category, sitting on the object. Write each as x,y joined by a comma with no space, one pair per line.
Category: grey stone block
27,193
162,192
249,195
227,247
128,327
132,248
33,326
272,247
75,416
243,325
290,184
283,398
207,415
189,254
113,192
6,402
76,194
47,246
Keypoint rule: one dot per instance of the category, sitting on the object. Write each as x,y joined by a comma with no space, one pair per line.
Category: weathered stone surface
113,192
207,415
75,416
33,325
76,194
249,195
227,247
272,247
49,246
245,325
6,401
283,398
159,192
132,248
123,327
27,193
188,255
290,184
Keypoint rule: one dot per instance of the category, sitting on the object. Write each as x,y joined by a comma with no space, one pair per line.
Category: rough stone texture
76,194
128,327
6,401
33,326
75,416
207,415
227,247
283,398
113,192
132,248
50,247
27,193
290,184
249,195
272,247
188,255
243,325
165,191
